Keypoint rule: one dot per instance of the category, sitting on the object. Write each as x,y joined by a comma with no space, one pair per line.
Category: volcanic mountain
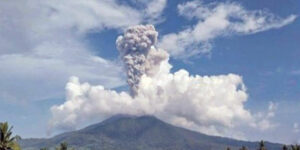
123,132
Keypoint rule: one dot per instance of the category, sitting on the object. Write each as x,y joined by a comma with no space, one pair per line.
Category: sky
244,54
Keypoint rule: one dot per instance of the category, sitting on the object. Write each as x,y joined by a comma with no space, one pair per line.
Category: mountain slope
123,132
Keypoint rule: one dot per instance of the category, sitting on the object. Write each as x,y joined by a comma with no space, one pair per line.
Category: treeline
263,147
10,142
62,146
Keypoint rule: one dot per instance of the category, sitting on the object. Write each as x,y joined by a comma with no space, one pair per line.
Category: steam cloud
210,104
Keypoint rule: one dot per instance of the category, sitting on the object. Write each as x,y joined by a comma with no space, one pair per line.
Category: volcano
124,132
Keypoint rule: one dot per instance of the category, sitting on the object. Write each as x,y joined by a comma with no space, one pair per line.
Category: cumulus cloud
217,20
210,104
42,43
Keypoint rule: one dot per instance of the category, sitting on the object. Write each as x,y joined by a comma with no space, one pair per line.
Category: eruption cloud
210,104
140,57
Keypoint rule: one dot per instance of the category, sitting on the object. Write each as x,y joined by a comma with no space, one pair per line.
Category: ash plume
209,104
139,55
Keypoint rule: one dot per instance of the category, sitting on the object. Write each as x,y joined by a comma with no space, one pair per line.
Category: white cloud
271,109
210,104
296,128
264,119
42,44
30,77
154,9
217,20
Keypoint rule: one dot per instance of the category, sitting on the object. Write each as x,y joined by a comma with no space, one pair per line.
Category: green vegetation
63,146
295,147
243,148
262,145
284,147
7,141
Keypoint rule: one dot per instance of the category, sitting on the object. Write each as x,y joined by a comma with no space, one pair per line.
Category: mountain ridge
123,132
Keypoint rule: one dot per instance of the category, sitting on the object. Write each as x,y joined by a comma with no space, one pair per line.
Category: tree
7,141
262,145
295,147
285,147
243,148
228,148
63,146
44,148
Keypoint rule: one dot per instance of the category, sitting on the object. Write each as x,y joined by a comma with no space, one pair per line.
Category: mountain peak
116,119
126,116
123,132
125,126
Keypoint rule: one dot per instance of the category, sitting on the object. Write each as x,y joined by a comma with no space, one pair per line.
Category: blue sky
34,72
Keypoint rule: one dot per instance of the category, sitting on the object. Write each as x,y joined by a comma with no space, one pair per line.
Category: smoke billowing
140,57
210,104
